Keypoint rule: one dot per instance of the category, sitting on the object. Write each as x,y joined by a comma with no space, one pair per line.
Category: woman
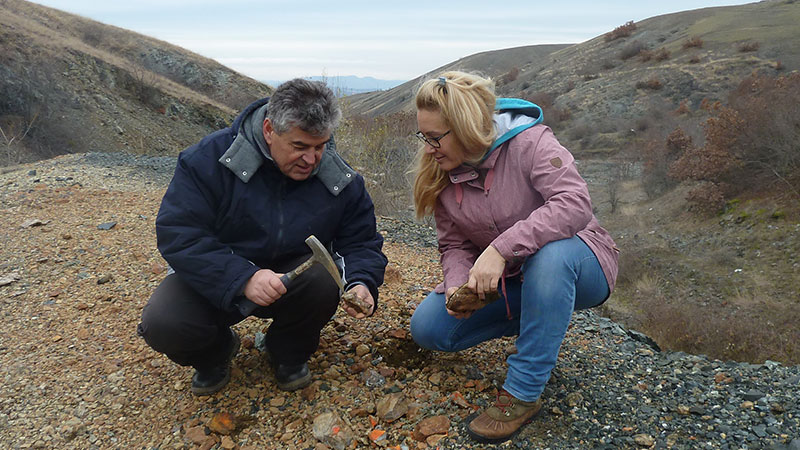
512,214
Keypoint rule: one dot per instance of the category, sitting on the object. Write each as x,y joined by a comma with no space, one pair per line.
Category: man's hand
362,293
264,287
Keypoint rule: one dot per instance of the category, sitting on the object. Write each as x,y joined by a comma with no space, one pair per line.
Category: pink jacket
527,193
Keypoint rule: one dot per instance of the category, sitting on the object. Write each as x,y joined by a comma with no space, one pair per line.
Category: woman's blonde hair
466,103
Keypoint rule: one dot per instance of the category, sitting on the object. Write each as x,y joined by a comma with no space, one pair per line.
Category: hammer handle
289,276
246,307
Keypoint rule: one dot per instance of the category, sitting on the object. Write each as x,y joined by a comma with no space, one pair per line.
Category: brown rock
644,440
227,443
362,349
392,406
196,434
309,392
436,425
222,423
332,431
392,274
465,299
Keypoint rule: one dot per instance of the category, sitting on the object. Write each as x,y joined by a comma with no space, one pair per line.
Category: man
235,218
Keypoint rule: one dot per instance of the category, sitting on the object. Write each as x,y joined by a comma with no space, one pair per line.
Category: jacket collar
245,156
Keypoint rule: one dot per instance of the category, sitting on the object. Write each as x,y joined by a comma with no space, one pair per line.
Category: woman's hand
456,314
486,273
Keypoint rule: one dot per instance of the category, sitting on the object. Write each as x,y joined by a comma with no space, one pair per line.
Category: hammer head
320,255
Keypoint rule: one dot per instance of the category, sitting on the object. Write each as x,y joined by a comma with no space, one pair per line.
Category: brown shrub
748,47
683,108
754,138
695,42
706,198
657,159
694,59
652,84
553,115
382,150
631,50
661,54
509,76
753,334
621,31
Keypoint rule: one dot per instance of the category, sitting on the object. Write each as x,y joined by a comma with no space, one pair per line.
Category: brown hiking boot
502,420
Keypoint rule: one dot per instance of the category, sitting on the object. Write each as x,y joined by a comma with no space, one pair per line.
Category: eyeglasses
432,141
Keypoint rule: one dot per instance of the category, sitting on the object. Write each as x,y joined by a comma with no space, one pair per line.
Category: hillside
491,63
602,89
71,84
75,375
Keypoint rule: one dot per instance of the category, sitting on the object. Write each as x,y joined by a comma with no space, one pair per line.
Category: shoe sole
208,390
296,384
484,440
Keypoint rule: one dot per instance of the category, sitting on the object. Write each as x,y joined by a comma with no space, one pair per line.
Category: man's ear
268,130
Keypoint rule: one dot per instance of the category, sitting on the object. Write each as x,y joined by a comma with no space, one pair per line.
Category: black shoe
210,380
292,377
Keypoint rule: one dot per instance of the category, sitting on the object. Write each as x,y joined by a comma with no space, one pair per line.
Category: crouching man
235,218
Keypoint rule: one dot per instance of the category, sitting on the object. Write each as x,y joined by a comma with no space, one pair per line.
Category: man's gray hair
308,105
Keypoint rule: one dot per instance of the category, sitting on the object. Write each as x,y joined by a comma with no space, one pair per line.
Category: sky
395,40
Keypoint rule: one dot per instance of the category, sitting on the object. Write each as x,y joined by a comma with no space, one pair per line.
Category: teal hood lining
513,116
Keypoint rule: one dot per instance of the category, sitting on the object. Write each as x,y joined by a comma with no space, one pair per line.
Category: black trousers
179,322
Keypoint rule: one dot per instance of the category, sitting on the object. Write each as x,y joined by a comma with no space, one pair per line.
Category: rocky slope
602,89
79,261
71,84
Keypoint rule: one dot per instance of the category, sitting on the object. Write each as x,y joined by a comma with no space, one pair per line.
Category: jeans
561,277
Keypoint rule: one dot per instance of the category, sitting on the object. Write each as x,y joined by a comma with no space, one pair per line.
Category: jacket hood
513,116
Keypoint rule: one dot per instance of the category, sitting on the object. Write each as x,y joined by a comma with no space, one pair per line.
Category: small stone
644,440
362,350
574,399
392,406
105,279
431,426
277,402
377,435
222,423
106,225
309,392
33,223
747,405
227,443
777,408
753,395
196,434
331,430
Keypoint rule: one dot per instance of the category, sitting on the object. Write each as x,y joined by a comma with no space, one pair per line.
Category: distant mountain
349,85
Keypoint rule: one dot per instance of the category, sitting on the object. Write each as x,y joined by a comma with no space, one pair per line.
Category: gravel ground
75,375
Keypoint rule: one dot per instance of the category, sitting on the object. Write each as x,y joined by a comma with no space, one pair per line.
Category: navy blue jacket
229,212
